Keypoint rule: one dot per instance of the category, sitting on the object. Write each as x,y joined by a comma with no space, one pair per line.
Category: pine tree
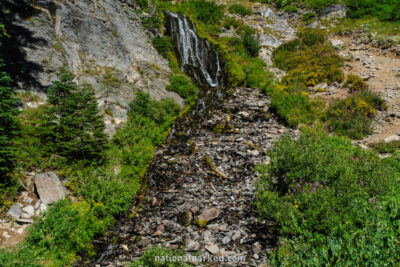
8,125
73,127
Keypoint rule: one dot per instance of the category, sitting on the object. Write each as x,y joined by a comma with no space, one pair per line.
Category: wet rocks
48,187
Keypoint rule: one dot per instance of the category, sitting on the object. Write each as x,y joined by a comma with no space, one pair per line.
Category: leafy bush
162,44
152,22
65,232
290,9
251,44
240,10
142,3
335,203
309,59
352,117
294,107
355,83
385,9
308,16
257,77
207,12
184,87
161,257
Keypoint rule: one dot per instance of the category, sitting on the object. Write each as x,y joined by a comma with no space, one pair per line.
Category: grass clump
309,60
335,203
239,10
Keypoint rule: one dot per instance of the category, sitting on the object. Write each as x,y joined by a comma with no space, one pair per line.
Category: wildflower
313,190
324,181
361,182
298,185
316,184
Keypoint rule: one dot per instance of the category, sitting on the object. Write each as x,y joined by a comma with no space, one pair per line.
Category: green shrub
235,73
240,10
355,83
257,77
251,44
65,232
152,22
309,60
142,3
290,9
385,9
184,87
335,204
294,107
308,16
207,12
162,44
353,116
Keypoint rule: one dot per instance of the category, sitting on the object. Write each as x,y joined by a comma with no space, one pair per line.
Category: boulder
207,215
334,11
14,212
48,187
392,138
338,44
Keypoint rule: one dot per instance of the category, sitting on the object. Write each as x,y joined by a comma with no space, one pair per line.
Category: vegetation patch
334,203
103,192
184,87
239,10
353,116
310,59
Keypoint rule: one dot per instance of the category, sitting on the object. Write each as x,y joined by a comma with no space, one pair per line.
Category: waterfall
195,54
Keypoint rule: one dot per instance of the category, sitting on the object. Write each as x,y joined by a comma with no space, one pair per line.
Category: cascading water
196,55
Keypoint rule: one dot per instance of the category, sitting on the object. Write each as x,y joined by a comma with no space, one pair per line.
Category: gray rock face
14,212
334,11
48,187
104,44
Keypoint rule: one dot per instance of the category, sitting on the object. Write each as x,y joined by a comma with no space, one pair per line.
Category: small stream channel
200,61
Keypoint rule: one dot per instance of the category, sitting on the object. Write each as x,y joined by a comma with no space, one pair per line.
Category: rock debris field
211,185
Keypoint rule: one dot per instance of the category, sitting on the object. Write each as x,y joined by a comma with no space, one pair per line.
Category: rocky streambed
201,190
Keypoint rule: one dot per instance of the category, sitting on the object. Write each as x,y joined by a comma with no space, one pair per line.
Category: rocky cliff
101,41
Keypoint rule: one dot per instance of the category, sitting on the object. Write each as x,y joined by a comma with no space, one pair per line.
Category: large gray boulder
48,187
334,11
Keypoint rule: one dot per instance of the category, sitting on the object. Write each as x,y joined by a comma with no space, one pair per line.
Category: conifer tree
73,127
8,125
